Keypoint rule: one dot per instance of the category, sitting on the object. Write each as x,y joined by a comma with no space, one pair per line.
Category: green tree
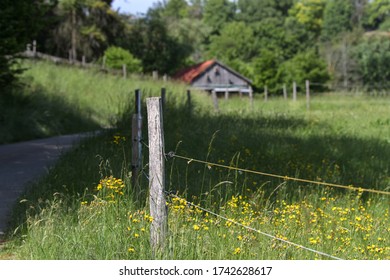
309,13
373,58
116,57
19,22
265,70
337,19
86,27
377,13
304,66
217,13
191,34
255,11
234,42
176,9
150,42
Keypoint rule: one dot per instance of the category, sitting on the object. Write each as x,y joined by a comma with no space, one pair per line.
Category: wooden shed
212,75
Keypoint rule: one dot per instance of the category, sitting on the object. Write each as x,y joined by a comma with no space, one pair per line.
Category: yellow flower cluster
137,229
110,188
325,223
117,139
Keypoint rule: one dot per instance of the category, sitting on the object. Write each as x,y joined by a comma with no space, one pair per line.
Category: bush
373,58
305,66
116,57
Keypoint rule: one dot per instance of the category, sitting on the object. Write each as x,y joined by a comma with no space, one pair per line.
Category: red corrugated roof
189,74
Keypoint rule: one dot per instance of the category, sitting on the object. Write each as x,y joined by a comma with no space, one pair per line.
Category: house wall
218,76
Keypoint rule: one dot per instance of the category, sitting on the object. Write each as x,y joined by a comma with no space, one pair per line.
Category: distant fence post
251,97
104,63
226,94
124,70
34,50
83,61
284,91
307,94
70,56
215,100
136,133
163,94
155,75
189,97
265,93
165,78
294,91
158,208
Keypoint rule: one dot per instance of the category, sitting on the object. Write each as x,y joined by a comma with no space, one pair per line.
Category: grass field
85,207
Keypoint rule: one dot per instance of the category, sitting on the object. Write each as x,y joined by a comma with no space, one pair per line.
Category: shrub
116,57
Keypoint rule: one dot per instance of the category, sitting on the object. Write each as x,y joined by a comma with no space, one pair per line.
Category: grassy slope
342,139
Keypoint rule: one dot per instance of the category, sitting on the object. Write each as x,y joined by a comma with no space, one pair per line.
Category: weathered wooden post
163,94
294,91
155,75
124,70
251,97
83,61
265,93
158,208
227,94
70,56
104,63
34,48
215,100
284,91
165,78
307,94
188,97
136,153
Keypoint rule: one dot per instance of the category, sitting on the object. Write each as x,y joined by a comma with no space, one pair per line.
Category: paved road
22,163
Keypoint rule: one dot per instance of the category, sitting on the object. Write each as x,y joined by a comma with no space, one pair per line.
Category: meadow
86,207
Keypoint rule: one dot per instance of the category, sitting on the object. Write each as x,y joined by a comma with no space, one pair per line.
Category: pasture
86,209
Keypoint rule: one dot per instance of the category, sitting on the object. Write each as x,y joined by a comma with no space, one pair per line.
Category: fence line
256,230
287,178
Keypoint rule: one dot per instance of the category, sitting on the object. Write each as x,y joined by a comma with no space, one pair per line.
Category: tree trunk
74,35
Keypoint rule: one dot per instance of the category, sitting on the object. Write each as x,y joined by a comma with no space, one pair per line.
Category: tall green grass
342,139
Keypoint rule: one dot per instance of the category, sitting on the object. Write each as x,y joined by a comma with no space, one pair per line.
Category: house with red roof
212,75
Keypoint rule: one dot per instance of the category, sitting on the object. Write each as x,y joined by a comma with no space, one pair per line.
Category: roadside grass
56,100
342,139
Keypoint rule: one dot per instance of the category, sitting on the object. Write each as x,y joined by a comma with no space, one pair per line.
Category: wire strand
258,231
287,178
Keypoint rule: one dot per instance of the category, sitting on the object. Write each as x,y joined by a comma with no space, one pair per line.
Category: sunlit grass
79,211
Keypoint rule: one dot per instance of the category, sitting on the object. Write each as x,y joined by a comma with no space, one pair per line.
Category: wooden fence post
226,94
188,97
251,97
165,78
307,94
155,75
158,208
83,61
34,48
124,70
284,91
215,100
136,153
104,63
265,93
294,91
163,94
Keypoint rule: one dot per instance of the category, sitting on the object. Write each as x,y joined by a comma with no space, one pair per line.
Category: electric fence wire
256,230
286,178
